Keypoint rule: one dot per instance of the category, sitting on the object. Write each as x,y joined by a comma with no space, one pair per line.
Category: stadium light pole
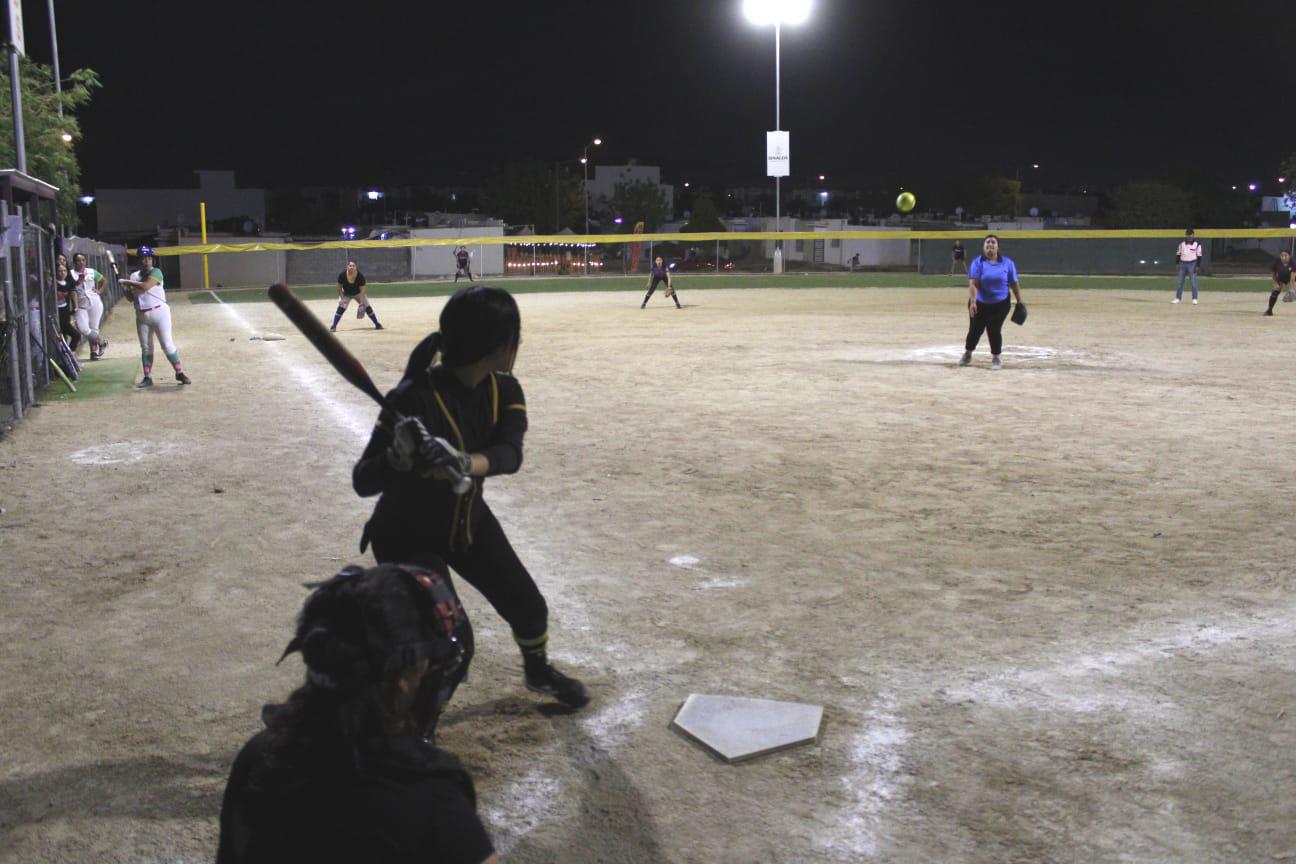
762,13
595,142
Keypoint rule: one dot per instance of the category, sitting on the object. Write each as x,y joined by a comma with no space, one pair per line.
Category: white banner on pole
778,154
16,27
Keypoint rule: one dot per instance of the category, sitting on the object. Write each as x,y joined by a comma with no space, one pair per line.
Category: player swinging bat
429,451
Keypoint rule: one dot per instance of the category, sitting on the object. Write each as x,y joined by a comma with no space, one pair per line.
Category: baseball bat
343,361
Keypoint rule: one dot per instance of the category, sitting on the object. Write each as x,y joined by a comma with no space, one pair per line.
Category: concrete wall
439,261
322,266
231,269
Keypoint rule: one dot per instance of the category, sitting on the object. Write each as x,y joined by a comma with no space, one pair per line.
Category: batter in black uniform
464,413
462,263
660,273
346,770
1282,278
351,284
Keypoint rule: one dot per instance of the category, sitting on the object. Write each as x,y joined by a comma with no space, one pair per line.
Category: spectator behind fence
63,290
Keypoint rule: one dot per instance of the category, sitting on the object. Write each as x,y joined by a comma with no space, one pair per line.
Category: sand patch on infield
121,453
1049,619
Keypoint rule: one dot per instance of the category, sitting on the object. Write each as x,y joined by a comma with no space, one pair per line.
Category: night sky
439,92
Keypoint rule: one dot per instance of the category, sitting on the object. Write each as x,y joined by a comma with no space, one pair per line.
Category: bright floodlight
598,142
373,195
1251,186
67,137
86,200
763,12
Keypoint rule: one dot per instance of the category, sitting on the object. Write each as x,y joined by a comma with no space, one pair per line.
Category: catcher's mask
363,627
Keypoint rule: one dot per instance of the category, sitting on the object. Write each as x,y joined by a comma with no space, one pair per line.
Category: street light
763,13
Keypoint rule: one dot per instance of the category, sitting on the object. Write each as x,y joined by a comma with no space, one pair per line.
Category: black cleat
377,326
966,359
182,378
1268,313
551,682
146,381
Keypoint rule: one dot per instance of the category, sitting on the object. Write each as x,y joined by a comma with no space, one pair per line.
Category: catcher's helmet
362,626
145,252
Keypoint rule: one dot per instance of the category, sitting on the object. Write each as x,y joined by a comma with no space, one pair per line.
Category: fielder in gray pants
1187,270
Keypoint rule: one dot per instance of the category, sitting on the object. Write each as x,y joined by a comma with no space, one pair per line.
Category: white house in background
873,253
604,178
1278,204
146,211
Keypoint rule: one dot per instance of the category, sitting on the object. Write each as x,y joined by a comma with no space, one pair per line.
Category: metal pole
586,195
778,127
11,305
14,94
202,217
557,219
58,84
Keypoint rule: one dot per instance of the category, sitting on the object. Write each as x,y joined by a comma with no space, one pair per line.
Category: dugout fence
1081,252
32,343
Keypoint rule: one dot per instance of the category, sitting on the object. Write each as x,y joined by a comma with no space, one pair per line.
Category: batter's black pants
490,565
989,317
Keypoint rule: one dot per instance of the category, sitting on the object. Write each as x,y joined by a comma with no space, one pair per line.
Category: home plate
735,728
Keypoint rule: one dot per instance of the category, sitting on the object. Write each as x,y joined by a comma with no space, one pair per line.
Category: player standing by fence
87,305
1189,256
463,263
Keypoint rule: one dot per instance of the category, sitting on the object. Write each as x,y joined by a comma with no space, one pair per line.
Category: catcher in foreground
660,273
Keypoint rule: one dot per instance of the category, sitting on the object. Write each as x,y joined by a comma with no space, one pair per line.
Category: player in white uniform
152,316
87,307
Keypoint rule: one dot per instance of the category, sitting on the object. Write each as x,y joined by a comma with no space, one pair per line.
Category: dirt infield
1050,610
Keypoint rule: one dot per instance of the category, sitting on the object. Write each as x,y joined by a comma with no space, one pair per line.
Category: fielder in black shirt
1281,269
465,414
660,273
462,262
351,285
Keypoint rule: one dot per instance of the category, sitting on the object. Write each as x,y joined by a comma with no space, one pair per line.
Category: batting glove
410,439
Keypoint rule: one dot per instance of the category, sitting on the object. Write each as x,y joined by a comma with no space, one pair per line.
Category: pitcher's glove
1289,296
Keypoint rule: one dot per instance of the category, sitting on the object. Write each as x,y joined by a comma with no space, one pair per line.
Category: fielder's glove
410,439
1289,296
360,311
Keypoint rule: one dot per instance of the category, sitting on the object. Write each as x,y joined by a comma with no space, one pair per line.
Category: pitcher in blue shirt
990,278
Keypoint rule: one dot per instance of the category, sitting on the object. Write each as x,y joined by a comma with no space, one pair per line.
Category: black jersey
403,801
1282,273
351,289
462,257
489,419
958,250
662,272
